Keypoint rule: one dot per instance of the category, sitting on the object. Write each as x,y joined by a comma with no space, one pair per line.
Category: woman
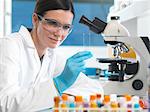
29,63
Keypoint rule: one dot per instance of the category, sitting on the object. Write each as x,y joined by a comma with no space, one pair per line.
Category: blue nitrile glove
73,67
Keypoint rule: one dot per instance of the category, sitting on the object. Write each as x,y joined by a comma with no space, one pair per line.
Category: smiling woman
49,35
30,67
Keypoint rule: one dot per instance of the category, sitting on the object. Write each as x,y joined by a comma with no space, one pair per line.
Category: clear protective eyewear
54,23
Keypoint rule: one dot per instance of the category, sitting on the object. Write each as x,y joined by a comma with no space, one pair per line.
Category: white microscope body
138,84
114,33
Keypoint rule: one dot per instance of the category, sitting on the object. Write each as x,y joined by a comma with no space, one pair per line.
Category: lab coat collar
49,52
26,36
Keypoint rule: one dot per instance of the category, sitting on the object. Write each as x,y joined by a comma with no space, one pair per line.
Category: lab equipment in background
86,39
129,60
96,73
93,72
120,5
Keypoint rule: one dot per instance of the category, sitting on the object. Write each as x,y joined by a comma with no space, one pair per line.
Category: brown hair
45,5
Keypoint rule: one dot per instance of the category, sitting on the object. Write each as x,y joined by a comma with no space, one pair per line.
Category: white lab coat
26,85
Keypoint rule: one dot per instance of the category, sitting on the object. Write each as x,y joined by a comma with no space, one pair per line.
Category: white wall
135,17
8,17
1,18
140,23
5,17
144,24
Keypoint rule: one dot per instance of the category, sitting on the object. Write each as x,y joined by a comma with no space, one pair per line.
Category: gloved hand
73,67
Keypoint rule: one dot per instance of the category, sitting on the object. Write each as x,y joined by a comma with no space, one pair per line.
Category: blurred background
20,13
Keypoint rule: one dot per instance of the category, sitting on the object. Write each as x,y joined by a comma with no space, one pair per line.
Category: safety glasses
49,23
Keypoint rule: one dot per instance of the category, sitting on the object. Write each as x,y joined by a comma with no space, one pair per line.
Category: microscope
130,59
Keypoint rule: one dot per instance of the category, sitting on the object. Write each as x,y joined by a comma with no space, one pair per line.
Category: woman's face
53,27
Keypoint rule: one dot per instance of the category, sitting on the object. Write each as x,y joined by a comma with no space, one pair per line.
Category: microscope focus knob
137,84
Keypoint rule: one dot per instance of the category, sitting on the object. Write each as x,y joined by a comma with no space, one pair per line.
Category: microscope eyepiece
96,25
85,21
